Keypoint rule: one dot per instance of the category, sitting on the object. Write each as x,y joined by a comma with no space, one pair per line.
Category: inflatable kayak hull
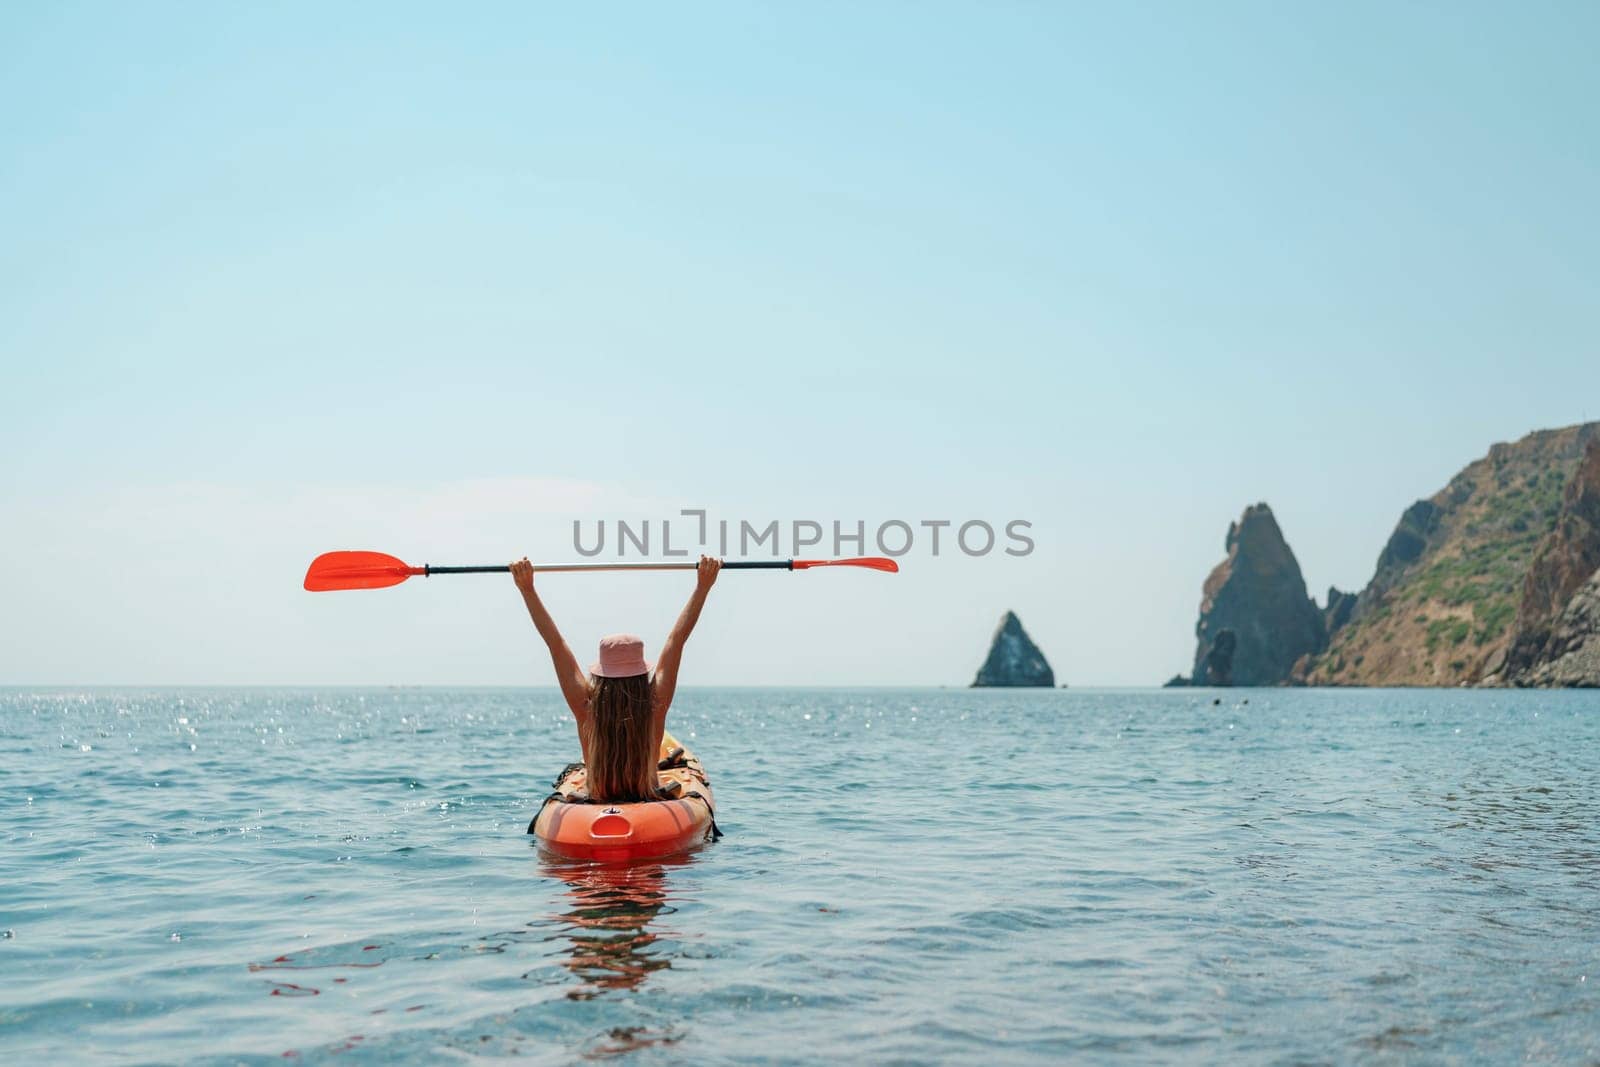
570,825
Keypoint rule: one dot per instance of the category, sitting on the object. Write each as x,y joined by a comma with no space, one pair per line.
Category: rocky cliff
1450,582
1551,615
1570,655
1014,660
1256,620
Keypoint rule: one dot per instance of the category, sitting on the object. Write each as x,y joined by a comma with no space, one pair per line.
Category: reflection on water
609,924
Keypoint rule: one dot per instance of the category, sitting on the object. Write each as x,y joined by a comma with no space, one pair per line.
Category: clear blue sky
436,280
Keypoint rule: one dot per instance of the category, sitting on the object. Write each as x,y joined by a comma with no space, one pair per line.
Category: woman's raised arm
666,679
574,684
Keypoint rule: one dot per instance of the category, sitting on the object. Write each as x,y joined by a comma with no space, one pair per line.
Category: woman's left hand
705,574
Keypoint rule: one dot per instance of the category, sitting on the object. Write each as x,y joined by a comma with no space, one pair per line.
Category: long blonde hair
621,740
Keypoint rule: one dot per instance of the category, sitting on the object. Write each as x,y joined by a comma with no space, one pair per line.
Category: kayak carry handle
611,825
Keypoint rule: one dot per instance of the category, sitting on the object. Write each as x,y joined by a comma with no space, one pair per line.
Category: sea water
914,876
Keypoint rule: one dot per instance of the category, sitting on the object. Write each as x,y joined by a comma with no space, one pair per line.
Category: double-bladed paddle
375,570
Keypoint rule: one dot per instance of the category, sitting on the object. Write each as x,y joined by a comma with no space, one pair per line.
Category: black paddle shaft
734,565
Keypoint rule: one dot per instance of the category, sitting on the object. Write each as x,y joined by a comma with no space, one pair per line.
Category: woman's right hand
706,572
522,574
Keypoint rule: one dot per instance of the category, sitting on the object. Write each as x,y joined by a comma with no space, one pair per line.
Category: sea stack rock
1217,669
1014,660
1255,617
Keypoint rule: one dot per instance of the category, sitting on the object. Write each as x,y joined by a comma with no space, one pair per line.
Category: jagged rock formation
1218,666
1571,651
1449,583
1337,611
1256,620
1014,660
1567,558
1405,546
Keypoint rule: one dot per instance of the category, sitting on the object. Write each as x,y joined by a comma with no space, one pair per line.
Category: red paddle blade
877,563
356,570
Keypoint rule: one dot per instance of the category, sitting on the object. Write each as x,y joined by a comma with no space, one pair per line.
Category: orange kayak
571,825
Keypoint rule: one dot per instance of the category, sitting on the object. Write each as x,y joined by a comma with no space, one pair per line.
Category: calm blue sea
914,876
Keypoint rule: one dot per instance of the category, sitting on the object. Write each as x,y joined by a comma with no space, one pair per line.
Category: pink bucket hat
621,656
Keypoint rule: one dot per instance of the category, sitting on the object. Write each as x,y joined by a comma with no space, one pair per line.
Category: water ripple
909,876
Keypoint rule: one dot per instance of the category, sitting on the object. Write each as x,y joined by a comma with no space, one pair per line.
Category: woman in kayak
621,708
